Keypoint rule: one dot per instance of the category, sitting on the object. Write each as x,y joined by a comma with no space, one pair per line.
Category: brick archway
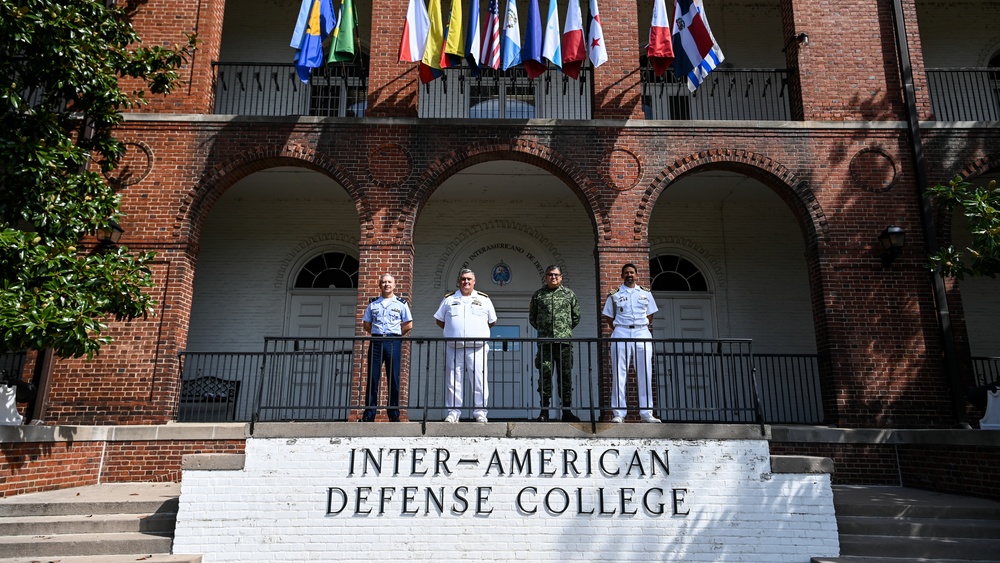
199,201
797,194
519,150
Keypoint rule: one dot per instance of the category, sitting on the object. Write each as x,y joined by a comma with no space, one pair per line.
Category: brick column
196,92
392,86
848,72
377,258
617,89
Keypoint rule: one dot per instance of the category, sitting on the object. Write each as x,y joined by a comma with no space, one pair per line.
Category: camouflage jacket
554,312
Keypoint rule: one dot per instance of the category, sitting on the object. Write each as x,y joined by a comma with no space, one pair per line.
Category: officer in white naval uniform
629,311
466,313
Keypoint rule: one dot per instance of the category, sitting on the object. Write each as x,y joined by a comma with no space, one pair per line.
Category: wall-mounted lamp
109,236
801,38
892,239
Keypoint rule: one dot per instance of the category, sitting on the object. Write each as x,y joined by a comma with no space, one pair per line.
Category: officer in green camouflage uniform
554,311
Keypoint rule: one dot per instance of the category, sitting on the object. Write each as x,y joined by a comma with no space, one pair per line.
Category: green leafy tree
981,207
62,70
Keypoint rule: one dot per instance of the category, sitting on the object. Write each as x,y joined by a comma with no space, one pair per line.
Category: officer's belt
631,326
373,334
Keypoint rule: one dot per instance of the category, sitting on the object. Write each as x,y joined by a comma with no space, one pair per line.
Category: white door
511,374
683,370
314,375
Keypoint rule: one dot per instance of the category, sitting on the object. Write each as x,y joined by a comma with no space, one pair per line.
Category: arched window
670,272
327,271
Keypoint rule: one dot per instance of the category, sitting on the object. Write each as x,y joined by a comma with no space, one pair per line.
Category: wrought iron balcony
318,379
507,94
965,94
335,90
727,94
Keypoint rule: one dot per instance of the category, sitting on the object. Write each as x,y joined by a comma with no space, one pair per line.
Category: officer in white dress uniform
629,311
466,313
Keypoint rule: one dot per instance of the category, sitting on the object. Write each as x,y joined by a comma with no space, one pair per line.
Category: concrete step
114,498
918,527
932,548
89,523
886,560
120,543
142,558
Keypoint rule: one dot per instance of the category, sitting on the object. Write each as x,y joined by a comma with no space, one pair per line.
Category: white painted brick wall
275,509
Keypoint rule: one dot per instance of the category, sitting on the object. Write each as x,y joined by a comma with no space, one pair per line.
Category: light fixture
892,239
800,38
110,235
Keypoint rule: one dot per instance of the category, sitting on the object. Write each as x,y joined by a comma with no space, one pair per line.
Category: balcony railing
506,94
727,94
965,94
986,369
335,90
319,379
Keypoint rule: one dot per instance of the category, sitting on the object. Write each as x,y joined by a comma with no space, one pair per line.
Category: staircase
897,525
111,523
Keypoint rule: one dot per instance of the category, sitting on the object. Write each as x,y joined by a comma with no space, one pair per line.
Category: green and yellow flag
342,48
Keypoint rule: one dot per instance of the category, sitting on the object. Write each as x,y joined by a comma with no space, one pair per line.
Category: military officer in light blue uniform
629,311
387,316
467,313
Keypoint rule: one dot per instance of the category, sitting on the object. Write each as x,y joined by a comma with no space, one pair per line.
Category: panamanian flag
418,24
574,48
697,51
659,50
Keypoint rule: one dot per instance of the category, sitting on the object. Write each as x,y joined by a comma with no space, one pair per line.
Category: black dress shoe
543,416
568,416
393,419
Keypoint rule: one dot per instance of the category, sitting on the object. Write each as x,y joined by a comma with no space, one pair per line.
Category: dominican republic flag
418,24
454,38
315,22
598,51
659,51
473,43
510,49
532,54
698,52
491,40
574,48
430,64
552,43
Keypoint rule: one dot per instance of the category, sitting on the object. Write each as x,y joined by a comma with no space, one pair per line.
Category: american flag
491,39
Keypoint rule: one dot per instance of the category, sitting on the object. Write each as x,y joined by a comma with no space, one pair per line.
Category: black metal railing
759,94
986,369
965,94
335,90
507,94
322,379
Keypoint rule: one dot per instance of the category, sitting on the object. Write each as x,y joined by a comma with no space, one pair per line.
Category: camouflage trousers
555,357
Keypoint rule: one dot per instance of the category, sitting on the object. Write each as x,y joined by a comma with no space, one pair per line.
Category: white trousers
624,353
466,360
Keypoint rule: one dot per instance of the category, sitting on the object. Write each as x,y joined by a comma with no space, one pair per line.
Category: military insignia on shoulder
400,299
373,299
610,293
483,294
642,288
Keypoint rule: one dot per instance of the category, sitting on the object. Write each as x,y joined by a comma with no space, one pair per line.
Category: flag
532,54
598,51
472,41
430,64
698,52
418,23
510,49
342,48
310,31
454,37
491,40
574,49
659,51
551,44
